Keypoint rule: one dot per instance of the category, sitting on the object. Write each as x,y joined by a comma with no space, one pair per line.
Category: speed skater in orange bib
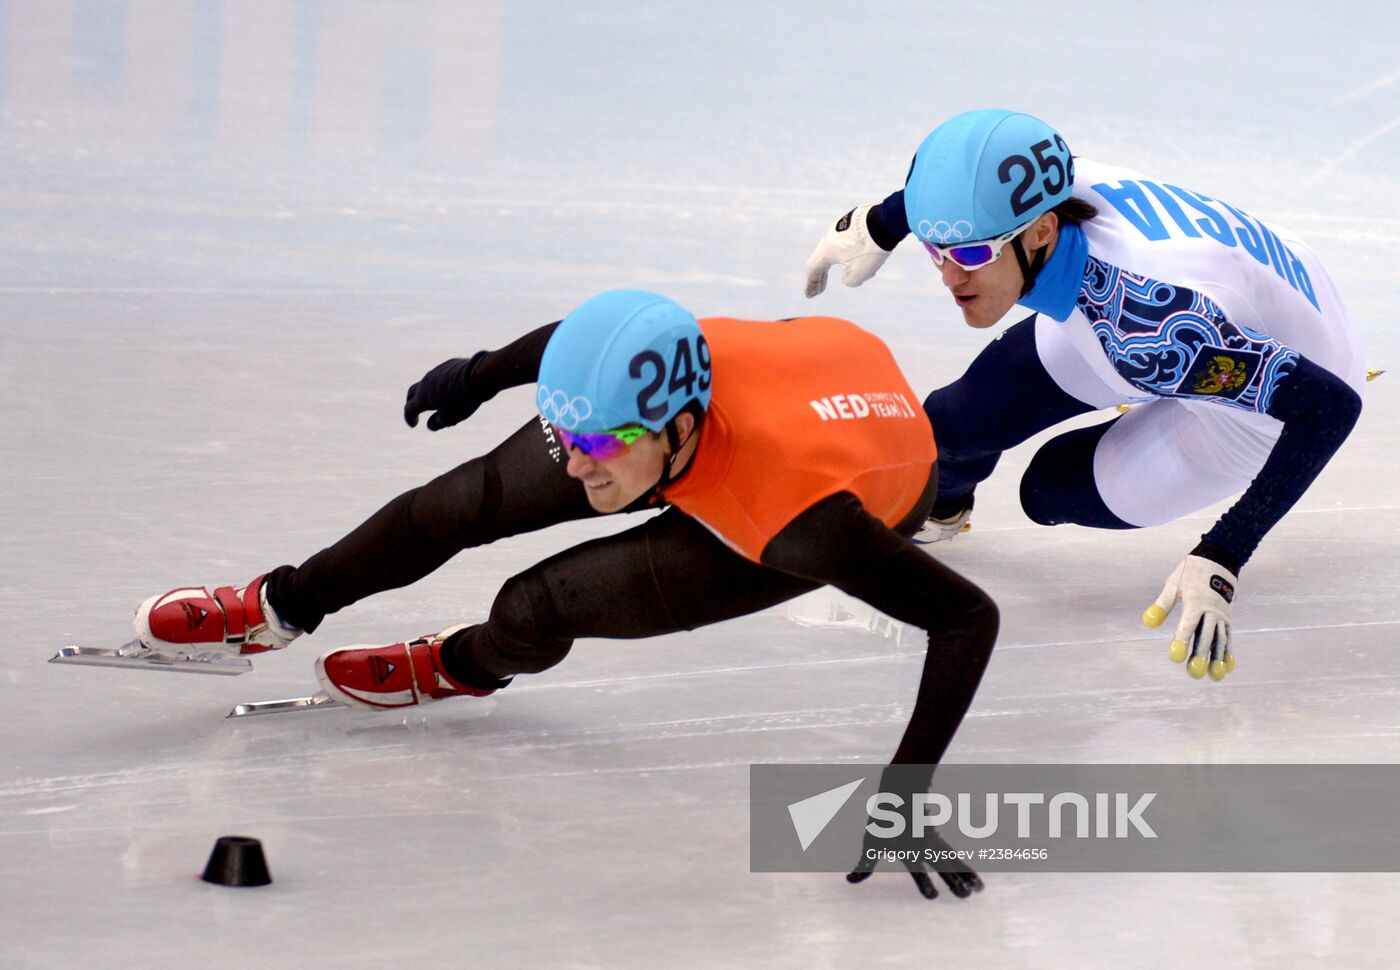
788,455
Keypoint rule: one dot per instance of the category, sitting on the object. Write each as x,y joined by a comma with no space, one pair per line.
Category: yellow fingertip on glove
1196,668
1218,670
1177,651
1153,617
1229,663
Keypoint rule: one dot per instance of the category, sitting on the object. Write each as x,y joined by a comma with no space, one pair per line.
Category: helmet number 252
1046,164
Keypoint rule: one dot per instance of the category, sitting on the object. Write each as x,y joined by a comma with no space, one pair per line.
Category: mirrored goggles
601,445
975,255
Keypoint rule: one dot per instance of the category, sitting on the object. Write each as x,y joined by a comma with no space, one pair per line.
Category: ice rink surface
234,232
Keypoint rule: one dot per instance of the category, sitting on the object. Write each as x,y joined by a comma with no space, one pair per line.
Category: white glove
1205,590
847,242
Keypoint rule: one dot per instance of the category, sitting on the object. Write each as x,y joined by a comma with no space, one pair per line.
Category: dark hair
1074,211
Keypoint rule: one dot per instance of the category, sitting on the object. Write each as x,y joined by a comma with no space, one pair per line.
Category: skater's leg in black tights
518,487
668,574
671,574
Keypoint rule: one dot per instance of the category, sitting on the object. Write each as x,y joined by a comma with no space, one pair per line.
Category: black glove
447,389
904,780
958,875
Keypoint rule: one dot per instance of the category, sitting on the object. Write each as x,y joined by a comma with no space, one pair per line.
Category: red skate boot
193,623
388,678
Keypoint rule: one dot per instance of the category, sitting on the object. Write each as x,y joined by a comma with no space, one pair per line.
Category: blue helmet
624,357
981,174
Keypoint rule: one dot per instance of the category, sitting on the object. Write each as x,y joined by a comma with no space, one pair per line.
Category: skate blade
315,702
137,656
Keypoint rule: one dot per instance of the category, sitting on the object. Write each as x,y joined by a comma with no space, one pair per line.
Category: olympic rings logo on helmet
561,409
943,231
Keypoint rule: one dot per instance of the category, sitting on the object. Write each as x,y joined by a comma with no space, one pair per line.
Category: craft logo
551,440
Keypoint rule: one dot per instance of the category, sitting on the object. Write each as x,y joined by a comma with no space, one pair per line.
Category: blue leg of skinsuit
1005,397
1059,489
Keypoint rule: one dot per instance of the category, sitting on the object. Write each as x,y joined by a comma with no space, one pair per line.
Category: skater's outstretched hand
448,390
847,243
919,853
933,854
455,388
1206,591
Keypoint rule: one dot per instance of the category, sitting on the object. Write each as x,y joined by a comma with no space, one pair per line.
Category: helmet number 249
684,375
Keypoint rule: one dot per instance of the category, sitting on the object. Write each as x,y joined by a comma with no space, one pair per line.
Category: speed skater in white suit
1225,335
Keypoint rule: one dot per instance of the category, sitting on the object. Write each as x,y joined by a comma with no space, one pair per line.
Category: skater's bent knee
525,627
984,616
976,614
524,606
1038,504
1060,486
